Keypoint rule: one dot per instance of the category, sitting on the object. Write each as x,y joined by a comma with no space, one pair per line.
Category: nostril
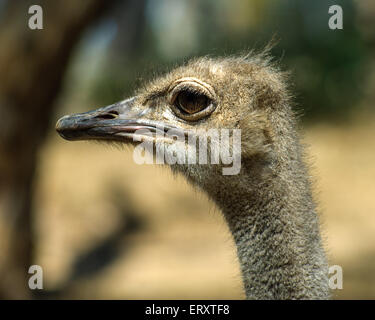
108,115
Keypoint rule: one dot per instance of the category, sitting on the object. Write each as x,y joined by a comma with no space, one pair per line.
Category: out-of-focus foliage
328,66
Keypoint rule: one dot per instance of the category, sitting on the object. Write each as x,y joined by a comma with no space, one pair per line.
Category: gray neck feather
276,231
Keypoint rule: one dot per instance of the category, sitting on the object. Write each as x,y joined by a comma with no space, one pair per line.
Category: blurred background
103,227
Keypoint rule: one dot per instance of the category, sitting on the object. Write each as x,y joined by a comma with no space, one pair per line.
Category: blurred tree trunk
32,65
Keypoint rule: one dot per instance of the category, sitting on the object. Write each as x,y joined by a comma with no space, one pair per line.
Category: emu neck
276,231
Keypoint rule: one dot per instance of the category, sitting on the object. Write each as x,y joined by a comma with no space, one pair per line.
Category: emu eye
191,102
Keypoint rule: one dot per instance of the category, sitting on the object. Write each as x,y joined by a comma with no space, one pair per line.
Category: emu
268,206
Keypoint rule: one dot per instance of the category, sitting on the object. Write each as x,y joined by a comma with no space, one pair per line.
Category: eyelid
192,84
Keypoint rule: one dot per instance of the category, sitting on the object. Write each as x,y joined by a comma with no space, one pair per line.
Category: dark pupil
191,102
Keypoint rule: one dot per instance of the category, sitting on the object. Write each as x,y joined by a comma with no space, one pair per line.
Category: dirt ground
108,228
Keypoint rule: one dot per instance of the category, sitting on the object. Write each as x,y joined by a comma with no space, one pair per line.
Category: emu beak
115,122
